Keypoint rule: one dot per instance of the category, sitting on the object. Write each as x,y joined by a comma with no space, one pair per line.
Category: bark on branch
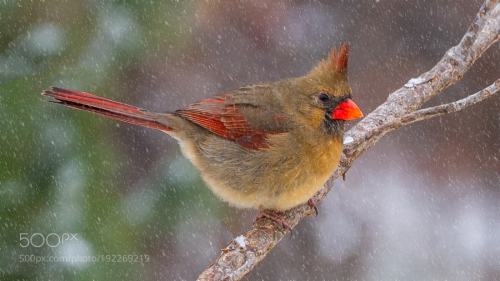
401,108
431,112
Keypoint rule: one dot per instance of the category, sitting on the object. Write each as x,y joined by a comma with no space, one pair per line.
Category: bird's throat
333,127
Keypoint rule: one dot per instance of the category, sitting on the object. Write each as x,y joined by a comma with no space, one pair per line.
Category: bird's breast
314,164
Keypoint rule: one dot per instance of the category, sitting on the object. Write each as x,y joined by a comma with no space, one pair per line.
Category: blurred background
423,204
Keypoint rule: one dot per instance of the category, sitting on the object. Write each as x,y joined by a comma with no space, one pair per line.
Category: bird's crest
334,66
339,58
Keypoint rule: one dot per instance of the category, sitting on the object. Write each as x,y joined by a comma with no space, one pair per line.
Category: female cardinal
265,146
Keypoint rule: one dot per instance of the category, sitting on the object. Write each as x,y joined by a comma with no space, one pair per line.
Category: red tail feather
115,110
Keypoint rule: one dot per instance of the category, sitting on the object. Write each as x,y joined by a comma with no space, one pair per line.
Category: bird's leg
275,216
313,204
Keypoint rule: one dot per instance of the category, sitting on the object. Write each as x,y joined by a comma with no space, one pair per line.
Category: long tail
112,109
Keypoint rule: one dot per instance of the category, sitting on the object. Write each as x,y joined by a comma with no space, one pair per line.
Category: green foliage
62,171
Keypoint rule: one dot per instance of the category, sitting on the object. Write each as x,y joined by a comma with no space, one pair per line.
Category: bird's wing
239,116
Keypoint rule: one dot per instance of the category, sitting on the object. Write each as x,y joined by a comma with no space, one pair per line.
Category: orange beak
346,110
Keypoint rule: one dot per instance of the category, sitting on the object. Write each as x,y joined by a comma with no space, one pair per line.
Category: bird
267,146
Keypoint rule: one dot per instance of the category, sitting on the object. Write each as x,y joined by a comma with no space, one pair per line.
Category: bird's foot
275,216
313,204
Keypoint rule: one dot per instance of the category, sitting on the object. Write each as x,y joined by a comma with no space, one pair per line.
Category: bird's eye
324,97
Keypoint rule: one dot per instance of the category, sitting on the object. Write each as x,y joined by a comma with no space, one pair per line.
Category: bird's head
325,94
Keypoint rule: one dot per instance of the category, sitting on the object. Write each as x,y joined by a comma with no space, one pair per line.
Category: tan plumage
268,146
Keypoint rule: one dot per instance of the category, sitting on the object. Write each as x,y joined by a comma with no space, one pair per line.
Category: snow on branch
401,108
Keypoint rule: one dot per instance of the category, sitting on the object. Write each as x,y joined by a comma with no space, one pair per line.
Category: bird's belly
262,181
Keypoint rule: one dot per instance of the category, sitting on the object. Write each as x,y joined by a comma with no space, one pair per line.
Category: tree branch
431,112
435,111
401,108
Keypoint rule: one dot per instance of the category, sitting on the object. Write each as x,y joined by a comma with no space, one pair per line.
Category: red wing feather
226,120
